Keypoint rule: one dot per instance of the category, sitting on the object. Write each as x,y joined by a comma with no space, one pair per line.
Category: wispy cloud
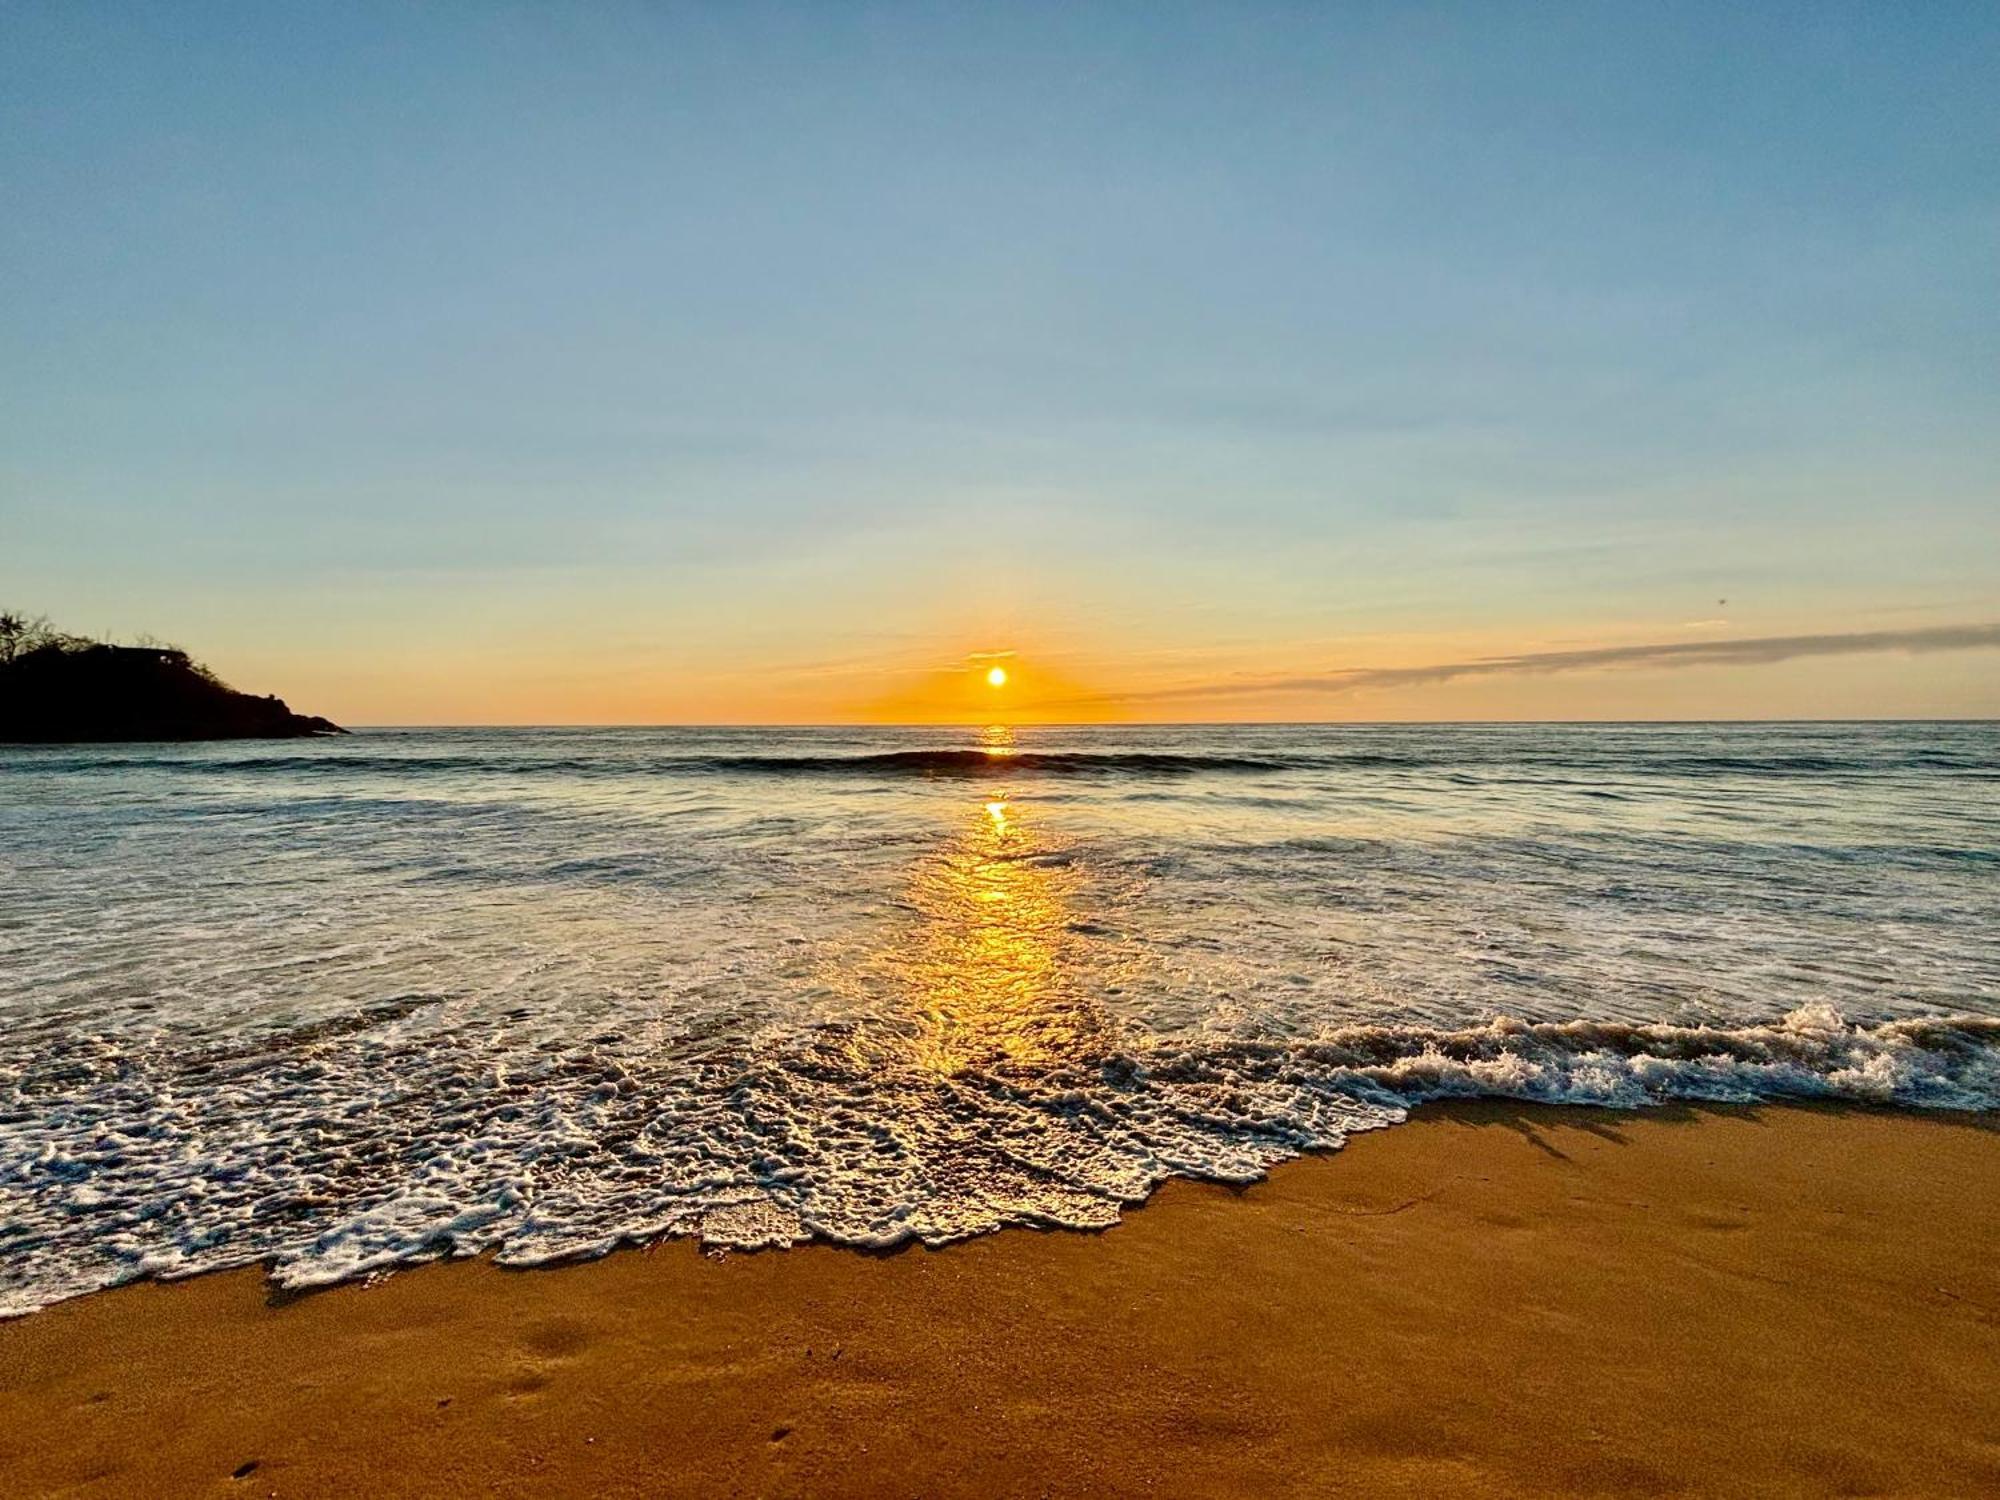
1750,651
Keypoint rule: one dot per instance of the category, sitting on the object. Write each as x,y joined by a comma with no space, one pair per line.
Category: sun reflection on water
990,972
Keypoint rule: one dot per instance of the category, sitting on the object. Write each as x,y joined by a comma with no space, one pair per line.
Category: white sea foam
377,1156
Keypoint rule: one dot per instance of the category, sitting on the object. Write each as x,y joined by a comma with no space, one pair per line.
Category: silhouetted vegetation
60,687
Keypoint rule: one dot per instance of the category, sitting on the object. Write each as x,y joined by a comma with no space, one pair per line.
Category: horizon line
1100,724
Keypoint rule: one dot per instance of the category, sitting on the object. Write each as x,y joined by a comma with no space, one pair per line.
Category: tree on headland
21,634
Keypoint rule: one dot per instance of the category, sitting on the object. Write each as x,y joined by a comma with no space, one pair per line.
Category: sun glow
983,686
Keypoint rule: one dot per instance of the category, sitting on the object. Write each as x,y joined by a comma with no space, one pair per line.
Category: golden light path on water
986,973
989,975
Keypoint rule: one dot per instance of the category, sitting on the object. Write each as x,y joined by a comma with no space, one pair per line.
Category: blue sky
657,362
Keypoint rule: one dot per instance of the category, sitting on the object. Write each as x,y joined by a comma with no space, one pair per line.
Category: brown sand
1489,1301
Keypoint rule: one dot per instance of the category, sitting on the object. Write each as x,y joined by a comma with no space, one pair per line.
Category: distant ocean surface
347,1004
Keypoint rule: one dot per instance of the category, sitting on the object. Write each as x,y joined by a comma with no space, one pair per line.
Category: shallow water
346,1004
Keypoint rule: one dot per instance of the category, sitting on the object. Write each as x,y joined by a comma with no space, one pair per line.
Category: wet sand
1490,1300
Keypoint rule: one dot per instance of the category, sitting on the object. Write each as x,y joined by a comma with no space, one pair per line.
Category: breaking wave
885,763
337,759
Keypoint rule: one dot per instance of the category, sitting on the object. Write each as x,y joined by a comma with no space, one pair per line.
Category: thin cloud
1752,651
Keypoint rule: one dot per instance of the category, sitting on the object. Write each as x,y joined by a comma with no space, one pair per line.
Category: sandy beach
1491,1299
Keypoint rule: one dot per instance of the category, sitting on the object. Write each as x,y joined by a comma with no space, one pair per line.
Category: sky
755,363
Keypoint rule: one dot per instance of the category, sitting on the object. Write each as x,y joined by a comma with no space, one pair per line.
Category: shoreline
1511,1298
1473,1108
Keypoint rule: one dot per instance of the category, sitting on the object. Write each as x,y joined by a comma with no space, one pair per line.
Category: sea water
344,1005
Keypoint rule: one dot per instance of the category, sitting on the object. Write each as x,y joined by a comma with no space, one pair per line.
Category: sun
996,676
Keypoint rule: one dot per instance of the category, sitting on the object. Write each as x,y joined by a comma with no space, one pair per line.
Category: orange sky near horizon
1710,670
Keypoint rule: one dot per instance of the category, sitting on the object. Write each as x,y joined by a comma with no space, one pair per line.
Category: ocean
345,1005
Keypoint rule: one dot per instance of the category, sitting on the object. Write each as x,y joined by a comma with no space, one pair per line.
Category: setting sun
996,676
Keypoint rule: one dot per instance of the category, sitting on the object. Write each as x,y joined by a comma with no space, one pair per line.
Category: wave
883,763
985,763
1463,763
1945,1063
340,1150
